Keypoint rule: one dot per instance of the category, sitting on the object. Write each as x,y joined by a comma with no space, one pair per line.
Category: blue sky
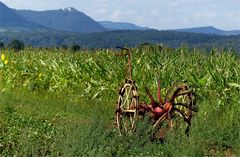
160,14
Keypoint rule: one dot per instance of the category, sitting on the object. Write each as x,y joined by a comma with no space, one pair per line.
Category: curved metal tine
181,104
159,120
184,116
150,95
159,93
175,94
170,90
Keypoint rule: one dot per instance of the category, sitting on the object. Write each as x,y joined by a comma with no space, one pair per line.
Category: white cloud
161,14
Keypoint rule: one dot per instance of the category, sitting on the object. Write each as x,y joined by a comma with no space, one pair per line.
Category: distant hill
10,20
70,26
209,30
111,39
72,20
68,19
120,26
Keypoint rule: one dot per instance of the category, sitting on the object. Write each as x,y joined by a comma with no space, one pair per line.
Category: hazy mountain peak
10,18
5,11
68,19
70,9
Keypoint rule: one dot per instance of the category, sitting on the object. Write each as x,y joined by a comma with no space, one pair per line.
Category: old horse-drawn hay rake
178,105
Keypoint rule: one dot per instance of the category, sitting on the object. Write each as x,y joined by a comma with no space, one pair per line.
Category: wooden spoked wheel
127,108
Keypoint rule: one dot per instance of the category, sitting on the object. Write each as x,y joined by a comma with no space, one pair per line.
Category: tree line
15,45
18,45
113,39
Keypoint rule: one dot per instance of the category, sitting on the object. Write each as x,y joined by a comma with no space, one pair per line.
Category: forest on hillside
112,39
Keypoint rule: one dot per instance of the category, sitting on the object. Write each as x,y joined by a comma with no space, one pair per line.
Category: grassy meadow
61,103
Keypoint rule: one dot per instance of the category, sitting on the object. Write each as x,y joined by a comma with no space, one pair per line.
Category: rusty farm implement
178,105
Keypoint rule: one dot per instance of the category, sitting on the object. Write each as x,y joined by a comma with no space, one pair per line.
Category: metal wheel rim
127,100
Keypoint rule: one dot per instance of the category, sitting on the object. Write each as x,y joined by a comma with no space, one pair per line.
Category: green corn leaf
234,85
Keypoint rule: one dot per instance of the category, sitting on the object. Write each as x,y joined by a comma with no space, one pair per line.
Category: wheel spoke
185,105
125,98
128,101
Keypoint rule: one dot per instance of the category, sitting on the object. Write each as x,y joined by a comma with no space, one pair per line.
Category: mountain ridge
66,19
110,25
69,20
72,20
10,20
209,30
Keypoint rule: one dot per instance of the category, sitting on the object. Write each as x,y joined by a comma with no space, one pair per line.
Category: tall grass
68,99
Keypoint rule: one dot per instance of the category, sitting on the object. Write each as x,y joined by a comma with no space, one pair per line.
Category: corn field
95,76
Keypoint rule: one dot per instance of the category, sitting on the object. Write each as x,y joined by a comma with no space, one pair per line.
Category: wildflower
3,57
5,61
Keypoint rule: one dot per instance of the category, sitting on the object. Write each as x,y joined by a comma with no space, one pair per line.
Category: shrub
64,47
16,45
75,47
1,45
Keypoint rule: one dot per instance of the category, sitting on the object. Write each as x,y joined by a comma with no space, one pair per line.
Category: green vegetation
16,45
113,39
1,45
75,47
58,103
